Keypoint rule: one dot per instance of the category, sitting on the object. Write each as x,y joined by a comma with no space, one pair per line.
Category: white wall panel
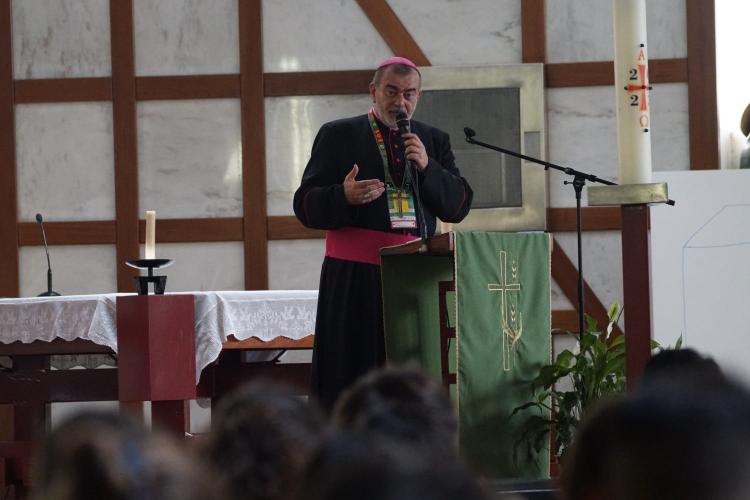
318,35
202,266
666,26
559,300
64,38
292,123
670,122
65,159
602,263
582,30
579,31
76,269
295,265
464,32
582,133
190,158
185,37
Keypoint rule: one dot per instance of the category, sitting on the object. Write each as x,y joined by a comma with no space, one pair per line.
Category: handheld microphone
49,292
404,127
403,123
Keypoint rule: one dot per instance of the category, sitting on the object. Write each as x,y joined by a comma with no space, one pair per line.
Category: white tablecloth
263,314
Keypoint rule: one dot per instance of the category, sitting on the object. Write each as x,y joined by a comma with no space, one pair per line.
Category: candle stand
634,200
141,282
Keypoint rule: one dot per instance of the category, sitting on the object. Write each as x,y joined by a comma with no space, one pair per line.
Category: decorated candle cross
632,91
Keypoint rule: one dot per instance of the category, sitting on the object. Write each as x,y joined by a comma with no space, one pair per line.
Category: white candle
632,91
150,252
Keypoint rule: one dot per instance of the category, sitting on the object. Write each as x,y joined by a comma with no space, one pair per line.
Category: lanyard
384,156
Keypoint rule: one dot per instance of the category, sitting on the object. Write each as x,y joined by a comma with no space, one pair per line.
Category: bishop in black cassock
341,192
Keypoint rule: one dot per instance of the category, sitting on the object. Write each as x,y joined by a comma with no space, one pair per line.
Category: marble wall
189,151
185,37
581,31
190,158
65,161
62,39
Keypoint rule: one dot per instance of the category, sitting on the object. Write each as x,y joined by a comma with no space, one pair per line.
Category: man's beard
388,116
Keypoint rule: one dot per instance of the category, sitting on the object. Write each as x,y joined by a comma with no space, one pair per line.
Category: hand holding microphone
414,150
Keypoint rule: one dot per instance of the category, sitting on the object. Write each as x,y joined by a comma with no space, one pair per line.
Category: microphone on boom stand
49,292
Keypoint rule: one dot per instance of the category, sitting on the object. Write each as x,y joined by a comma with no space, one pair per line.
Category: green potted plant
564,390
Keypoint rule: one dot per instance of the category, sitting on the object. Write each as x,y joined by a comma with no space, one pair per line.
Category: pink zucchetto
398,60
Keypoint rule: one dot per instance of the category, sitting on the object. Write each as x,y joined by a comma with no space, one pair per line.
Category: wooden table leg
172,416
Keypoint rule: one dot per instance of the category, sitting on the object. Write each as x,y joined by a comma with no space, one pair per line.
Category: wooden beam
592,219
533,32
702,101
125,140
587,74
317,83
283,227
253,145
187,87
668,70
63,90
68,233
104,232
286,84
58,386
565,274
565,321
9,280
56,346
195,230
277,343
393,31
278,227
636,290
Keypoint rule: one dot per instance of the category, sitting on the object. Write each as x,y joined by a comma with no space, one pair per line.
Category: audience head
681,366
261,437
353,465
401,405
667,441
108,455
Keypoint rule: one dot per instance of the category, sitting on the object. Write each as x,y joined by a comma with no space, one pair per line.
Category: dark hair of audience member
261,436
351,465
665,442
403,405
96,455
582,475
681,366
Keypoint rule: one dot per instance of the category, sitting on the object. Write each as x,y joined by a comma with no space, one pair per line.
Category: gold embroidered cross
511,323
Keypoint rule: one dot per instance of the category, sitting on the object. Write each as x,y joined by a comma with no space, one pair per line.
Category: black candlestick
141,282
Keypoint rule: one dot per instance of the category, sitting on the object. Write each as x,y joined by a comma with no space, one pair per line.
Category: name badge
401,208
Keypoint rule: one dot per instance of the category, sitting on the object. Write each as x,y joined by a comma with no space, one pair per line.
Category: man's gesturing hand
361,192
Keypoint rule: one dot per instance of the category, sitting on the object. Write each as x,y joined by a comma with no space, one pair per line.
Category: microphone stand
49,292
579,180
422,222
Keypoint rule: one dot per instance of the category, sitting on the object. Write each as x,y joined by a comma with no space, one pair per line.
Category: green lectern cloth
501,311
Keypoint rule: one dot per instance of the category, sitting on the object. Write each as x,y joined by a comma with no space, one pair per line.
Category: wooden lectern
473,310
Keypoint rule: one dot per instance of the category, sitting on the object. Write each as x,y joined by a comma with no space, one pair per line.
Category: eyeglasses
393,92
